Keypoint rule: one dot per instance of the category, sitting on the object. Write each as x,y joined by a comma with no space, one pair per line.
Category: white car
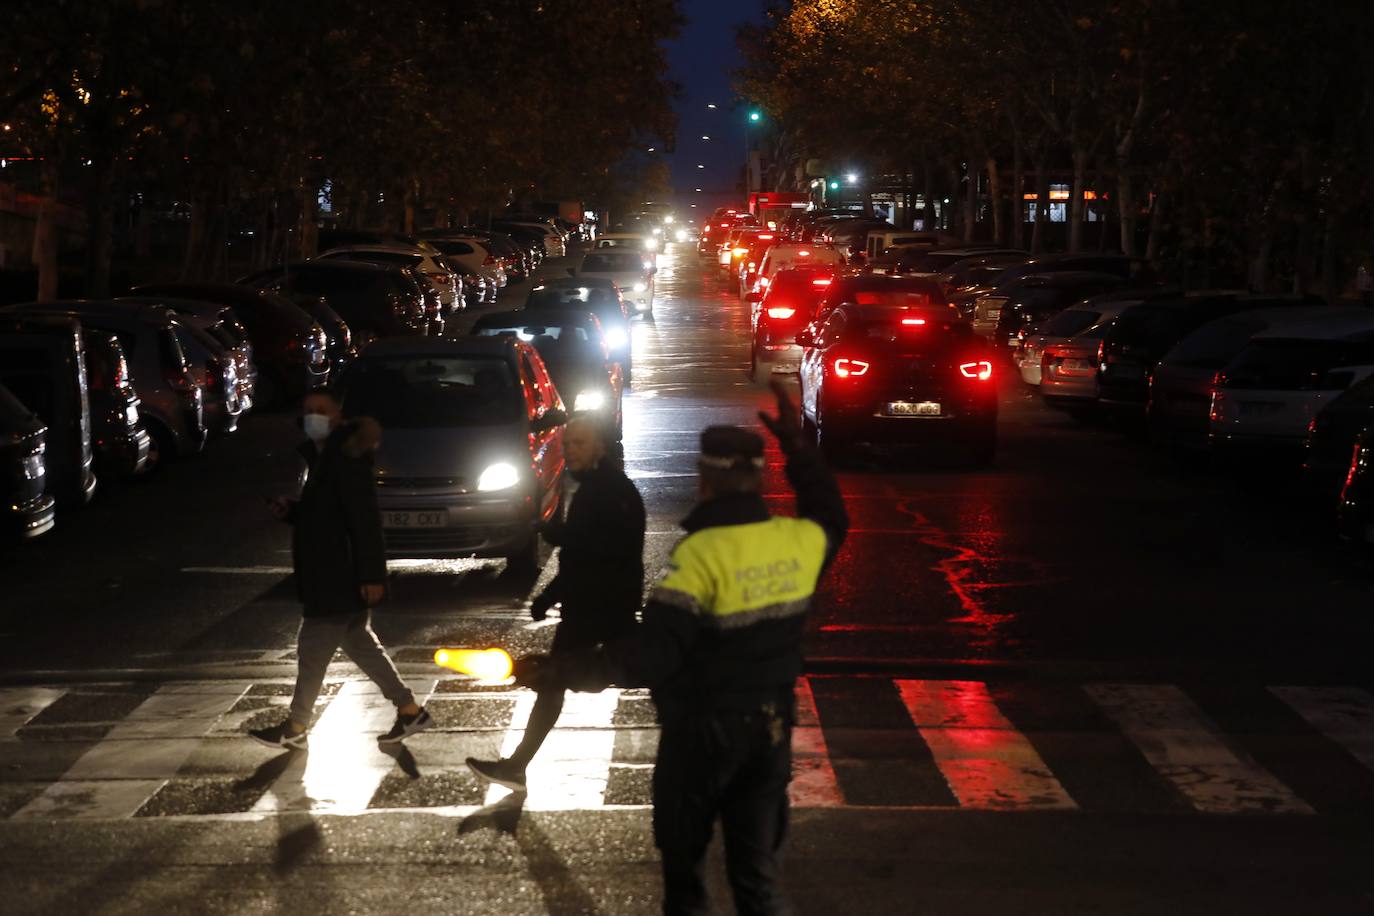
430,261
634,240
1061,327
554,245
1268,394
473,254
632,271
795,254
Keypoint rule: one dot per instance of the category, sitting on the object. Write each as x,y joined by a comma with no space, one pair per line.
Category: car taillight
781,312
821,281
438,276
1101,351
121,379
913,322
850,368
980,370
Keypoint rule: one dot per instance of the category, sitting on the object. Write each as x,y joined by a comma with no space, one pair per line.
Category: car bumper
780,357
877,429
32,517
125,455
476,526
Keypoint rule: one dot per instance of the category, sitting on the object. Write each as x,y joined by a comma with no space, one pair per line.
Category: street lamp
851,178
710,104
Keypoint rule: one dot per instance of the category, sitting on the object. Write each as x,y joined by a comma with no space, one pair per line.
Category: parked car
477,255
289,348
573,347
472,459
1066,325
985,304
28,507
1355,508
477,289
1041,296
514,260
375,300
1182,382
1333,435
1266,397
901,376
172,394
601,297
551,238
43,364
222,324
777,314
529,239
631,273
1141,336
118,436
338,336
432,272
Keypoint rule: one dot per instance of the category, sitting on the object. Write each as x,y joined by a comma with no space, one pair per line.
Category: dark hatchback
1142,335
778,313
898,376
288,346
29,507
376,301
599,296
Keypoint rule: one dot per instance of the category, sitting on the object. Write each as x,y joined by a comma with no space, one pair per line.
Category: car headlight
651,244
681,235
617,338
641,286
499,476
589,400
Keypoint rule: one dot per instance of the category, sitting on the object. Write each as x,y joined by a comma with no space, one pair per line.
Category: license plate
913,409
416,518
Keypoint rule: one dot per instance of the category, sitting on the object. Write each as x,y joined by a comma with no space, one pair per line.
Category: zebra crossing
115,751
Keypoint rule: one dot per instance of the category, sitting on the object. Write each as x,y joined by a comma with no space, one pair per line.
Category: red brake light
981,370
763,236
912,322
821,281
803,253
847,368
781,311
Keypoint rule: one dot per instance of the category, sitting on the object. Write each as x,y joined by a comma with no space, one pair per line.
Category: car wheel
525,560
161,447
832,447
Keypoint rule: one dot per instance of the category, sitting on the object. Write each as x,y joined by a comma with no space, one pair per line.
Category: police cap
731,448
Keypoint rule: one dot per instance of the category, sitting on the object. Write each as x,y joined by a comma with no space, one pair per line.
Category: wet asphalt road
1056,685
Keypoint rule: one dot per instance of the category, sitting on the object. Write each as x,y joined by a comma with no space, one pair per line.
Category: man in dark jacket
720,647
600,579
340,565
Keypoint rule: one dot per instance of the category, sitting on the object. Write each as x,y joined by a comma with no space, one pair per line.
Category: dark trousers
735,766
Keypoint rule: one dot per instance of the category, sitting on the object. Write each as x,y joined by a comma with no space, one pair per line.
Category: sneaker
406,726
279,735
502,772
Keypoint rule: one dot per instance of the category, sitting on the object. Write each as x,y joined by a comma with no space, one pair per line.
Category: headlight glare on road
589,400
641,286
498,476
617,338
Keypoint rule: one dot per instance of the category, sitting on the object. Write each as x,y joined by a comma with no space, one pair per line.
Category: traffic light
834,185
754,115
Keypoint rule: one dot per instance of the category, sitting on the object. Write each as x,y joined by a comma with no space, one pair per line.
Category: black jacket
601,554
336,544
689,667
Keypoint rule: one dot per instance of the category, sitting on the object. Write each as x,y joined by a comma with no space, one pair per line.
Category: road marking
240,570
813,777
126,767
341,771
1343,714
18,705
988,764
574,763
1186,747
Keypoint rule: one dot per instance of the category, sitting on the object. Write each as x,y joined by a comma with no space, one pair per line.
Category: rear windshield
930,335
1215,344
800,284
1296,365
399,258
1145,324
1069,322
454,248
613,262
593,298
416,392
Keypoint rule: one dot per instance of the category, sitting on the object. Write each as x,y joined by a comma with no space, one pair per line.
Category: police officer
719,644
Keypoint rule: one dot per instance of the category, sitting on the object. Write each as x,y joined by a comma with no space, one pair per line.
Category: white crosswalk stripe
986,761
1343,714
1180,742
966,740
115,778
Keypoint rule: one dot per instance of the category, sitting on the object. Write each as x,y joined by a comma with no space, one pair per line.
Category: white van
798,254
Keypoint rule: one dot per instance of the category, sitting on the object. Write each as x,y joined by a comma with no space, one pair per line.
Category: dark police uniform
720,646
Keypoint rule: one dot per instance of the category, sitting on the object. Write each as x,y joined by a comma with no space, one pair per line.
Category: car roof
1329,323
1068,278
574,282
341,264
100,308
439,346
540,316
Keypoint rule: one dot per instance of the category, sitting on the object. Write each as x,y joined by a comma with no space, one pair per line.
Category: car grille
422,483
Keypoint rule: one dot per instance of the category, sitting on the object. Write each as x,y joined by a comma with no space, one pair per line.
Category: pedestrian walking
600,580
339,559
719,645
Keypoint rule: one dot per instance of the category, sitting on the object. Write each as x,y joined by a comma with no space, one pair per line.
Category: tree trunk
927,195
100,229
193,260
999,228
1076,201
1018,191
1152,243
1042,202
310,225
970,200
1125,207
408,206
45,242
953,221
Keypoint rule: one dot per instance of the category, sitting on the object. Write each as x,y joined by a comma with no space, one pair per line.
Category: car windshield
416,392
613,262
1069,322
594,299
536,334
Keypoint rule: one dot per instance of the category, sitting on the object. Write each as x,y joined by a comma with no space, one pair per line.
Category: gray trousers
315,647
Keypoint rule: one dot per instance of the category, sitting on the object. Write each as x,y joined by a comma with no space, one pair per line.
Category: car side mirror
806,337
572,271
753,296
548,420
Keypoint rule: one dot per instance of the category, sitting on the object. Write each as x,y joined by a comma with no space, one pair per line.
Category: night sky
701,61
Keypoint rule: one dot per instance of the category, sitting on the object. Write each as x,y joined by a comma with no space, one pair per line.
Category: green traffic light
834,185
754,115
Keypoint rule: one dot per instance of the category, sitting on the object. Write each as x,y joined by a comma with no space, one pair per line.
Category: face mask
316,426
